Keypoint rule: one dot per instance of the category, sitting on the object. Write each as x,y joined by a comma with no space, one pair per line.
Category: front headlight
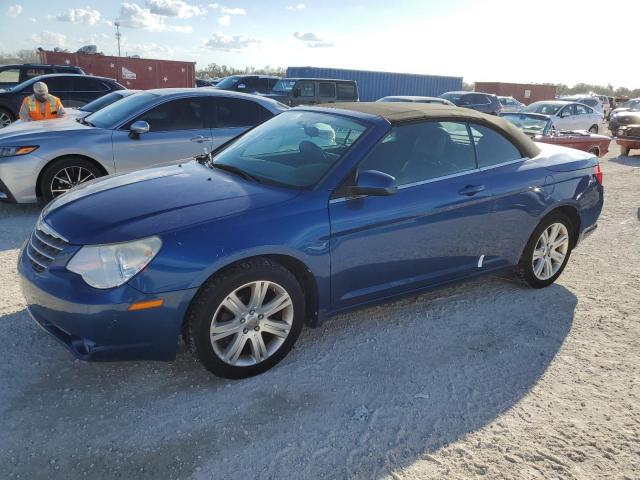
108,266
16,151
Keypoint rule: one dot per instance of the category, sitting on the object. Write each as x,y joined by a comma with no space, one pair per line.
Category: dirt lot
482,379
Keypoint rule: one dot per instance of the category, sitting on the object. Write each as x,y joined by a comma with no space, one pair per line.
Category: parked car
482,102
400,98
510,104
628,137
98,104
74,91
540,128
274,230
630,117
41,160
632,105
312,91
568,115
248,83
202,82
12,75
590,100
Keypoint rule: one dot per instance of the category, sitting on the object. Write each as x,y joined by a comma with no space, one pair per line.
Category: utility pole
118,35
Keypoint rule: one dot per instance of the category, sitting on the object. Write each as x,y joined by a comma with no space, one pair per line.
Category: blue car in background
315,212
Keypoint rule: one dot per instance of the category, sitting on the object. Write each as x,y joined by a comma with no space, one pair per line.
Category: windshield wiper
236,170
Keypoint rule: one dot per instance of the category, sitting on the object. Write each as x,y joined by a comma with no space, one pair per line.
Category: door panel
423,235
178,131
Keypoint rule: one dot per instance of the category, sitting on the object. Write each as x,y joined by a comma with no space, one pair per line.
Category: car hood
154,201
19,130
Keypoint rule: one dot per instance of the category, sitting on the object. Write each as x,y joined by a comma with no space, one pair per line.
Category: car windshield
526,123
452,97
631,104
544,108
20,86
228,82
283,86
111,115
105,100
294,149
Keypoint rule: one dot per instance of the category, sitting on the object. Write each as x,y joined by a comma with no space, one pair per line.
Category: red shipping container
137,73
524,92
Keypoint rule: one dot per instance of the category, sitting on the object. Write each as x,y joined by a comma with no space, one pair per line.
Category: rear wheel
6,117
593,129
547,251
245,320
62,175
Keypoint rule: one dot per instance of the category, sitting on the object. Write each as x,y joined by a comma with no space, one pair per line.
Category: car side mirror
564,114
296,92
242,86
374,183
138,128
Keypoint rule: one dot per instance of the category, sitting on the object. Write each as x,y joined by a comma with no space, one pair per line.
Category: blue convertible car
314,212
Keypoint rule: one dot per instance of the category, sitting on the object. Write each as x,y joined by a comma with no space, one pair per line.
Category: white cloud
88,16
49,40
174,8
224,20
230,43
14,10
299,6
312,40
307,37
213,6
134,16
234,11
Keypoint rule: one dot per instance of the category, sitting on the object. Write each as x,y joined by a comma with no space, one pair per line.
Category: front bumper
95,324
19,176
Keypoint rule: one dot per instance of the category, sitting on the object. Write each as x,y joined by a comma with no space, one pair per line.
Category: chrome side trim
503,164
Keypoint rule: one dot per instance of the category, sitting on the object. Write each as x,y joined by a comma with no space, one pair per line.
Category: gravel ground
481,379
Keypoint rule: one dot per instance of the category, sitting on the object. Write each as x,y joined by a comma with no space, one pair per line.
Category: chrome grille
44,246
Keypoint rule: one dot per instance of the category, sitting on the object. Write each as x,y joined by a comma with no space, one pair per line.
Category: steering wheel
312,151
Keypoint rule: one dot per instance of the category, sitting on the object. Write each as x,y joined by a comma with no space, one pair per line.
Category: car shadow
361,396
630,161
16,222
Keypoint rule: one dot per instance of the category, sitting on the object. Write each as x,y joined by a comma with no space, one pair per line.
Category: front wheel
6,117
246,319
62,175
593,129
547,251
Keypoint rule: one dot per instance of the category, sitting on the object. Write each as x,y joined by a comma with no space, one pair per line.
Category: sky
554,41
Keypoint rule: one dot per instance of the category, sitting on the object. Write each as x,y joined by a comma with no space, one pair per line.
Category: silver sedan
41,160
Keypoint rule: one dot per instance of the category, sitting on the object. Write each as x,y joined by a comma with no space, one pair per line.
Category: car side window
35,72
181,114
465,100
88,84
307,89
581,110
568,110
235,112
58,84
327,89
422,151
492,148
11,75
478,99
346,91
252,84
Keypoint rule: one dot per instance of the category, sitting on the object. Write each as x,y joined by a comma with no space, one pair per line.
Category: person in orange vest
41,105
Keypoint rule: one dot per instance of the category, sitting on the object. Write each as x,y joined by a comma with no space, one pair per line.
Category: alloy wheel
251,323
69,177
550,251
5,119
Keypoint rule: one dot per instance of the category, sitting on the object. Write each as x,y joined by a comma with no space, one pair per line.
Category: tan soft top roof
405,112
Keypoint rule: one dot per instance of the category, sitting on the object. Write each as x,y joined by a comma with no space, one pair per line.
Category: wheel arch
62,157
298,268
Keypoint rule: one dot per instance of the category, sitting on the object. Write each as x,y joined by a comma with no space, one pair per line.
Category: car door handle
471,190
200,139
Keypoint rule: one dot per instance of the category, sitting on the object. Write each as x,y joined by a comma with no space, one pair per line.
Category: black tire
206,302
525,266
593,129
595,151
6,116
624,151
51,170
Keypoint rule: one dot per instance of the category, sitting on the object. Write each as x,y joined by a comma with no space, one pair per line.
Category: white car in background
591,101
568,115
511,105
